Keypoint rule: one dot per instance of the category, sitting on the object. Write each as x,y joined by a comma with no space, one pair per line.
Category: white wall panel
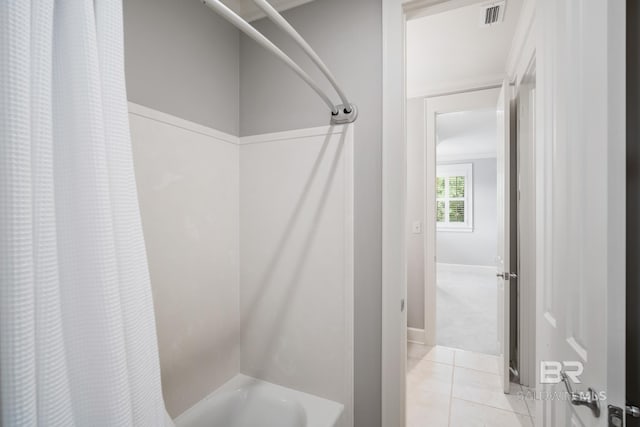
296,246
187,178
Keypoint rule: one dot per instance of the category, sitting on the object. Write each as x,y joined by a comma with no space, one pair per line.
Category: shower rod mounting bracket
345,114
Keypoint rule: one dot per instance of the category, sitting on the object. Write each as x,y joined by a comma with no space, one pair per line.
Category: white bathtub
247,402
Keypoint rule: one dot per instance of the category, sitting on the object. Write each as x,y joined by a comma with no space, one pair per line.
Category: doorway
461,232
466,231
465,331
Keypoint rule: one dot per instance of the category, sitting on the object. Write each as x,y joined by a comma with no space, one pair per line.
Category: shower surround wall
296,257
184,60
348,37
250,248
188,188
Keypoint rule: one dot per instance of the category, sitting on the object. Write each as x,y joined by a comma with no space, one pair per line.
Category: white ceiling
450,50
466,135
250,12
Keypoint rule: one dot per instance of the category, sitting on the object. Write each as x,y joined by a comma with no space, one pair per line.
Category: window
454,197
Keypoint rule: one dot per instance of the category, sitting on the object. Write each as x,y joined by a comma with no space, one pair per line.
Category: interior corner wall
348,37
181,58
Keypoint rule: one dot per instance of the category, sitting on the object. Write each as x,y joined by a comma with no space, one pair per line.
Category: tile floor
457,388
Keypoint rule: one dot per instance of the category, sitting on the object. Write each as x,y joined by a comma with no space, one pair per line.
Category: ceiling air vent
491,13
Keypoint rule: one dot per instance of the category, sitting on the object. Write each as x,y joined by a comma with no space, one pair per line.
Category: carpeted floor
467,308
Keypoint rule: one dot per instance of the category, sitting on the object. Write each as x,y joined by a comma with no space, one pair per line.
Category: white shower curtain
78,342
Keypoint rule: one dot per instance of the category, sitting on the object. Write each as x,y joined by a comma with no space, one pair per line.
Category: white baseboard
416,335
466,268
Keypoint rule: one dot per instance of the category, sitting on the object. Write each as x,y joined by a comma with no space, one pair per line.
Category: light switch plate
417,227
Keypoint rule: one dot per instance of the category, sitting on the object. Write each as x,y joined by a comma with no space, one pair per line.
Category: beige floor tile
438,377
469,414
477,361
429,377
428,409
434,353
486,389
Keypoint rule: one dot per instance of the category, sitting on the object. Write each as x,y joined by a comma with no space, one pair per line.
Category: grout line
422,359
478,370
525,395
493,407
528,414
453,373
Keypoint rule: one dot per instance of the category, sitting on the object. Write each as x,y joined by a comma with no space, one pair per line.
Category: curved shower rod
279,20
340,114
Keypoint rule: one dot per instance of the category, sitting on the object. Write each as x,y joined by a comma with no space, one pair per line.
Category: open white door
502,259
581,216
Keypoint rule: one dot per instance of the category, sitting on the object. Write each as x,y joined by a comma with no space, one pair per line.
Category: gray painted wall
415,212
479,246
348,36
182,59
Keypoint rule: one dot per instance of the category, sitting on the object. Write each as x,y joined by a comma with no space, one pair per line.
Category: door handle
507,276
588,399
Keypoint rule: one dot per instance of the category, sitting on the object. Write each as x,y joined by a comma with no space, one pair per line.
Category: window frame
448,170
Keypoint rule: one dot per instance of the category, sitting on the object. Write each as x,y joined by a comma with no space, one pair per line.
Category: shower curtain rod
340,114
279,20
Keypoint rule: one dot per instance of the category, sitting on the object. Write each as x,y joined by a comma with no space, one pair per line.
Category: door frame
473,99
394,197
526,222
